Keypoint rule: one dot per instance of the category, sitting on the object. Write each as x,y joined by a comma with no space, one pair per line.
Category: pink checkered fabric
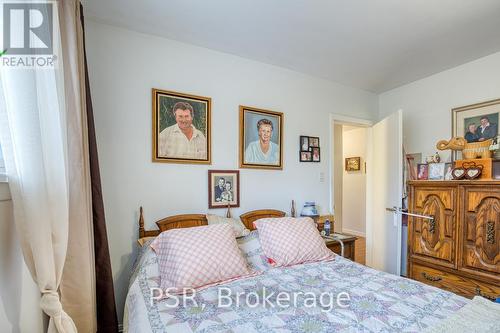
289,241
198,257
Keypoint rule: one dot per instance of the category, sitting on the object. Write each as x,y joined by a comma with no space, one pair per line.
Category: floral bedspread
378,302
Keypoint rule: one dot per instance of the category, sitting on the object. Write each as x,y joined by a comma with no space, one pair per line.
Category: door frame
337,119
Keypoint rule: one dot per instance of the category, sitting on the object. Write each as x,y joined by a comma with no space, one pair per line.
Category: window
2,165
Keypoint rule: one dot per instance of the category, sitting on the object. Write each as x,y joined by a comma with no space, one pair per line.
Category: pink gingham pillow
289,241
198,257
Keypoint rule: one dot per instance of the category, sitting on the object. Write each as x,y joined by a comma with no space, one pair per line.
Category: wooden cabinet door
434,241
480,231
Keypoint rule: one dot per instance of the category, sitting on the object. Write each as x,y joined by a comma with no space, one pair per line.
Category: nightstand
348,241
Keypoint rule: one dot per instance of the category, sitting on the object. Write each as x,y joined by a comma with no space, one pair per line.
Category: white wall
19,296
125,65
427,103
354,183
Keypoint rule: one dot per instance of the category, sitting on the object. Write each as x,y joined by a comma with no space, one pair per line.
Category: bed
379,302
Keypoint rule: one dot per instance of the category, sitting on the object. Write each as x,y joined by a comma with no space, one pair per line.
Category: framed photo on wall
181,127
316,156
353,164
477,122
314,141
304,143
309,150
305,156
223,188
261,138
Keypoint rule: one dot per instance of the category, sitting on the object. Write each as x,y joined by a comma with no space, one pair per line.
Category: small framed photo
305,156
261,138
314,141
223,188
353,164
316,156
423,171
436,171
304,143
448,167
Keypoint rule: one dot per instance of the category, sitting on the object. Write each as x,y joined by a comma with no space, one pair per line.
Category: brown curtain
107,320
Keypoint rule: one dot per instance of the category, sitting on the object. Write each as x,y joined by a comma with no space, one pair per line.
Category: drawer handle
431,278
480,293
490,232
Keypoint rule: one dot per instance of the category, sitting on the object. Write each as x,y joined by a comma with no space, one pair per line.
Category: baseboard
354,232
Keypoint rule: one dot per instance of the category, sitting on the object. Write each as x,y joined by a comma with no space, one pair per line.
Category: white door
384,190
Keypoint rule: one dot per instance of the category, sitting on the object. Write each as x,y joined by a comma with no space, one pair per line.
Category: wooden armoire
458,250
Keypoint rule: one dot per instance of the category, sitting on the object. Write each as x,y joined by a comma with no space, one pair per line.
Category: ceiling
372,45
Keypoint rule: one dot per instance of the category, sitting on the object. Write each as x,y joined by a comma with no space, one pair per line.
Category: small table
348,241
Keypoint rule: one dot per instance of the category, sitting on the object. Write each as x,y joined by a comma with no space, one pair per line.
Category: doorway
382,177
350,141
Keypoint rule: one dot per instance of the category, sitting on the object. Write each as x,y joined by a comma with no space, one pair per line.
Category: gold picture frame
353,163
170,142
470,115
258,128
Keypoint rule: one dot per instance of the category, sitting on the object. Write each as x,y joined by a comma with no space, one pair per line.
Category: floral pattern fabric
379,302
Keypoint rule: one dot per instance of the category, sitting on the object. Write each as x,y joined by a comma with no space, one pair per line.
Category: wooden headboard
195,220
254,215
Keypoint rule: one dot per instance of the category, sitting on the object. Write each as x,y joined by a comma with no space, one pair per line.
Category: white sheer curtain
33,140
43,138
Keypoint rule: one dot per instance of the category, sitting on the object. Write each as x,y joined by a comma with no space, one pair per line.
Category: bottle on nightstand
327,226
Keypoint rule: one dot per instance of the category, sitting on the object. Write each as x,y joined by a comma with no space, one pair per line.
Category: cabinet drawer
454,283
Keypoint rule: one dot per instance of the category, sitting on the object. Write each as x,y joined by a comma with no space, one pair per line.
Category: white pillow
237,225
252,251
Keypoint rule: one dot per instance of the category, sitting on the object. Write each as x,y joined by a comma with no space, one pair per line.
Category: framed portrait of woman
261,138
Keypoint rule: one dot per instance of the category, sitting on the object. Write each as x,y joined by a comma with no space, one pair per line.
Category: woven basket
477,150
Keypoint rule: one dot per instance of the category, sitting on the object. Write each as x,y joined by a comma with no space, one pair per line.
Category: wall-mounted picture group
182,134
182,125
309,149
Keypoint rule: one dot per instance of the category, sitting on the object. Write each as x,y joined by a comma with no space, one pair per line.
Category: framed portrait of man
261,138
476,123
223,188
181,128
